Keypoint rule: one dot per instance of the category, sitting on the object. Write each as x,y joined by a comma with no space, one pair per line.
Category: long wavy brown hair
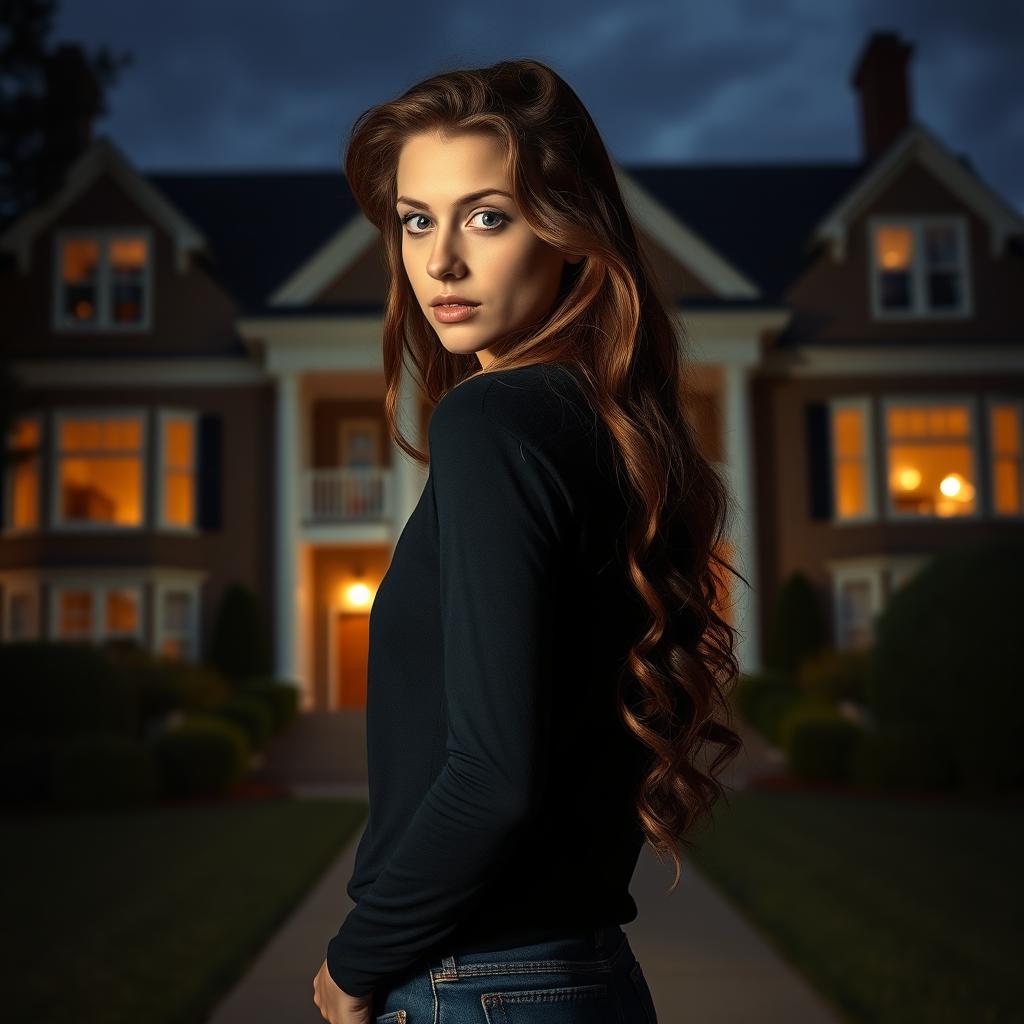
611,321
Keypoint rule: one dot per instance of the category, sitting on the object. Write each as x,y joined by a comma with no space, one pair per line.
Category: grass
153,915
896,909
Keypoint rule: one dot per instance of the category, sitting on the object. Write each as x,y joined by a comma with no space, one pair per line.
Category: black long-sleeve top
502,782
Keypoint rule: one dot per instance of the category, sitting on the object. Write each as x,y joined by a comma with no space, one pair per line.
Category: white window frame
17,585
933,398
992,400
190,585
104,283
919,309
98,412
865,405
867,570
163,415
98,588
8,510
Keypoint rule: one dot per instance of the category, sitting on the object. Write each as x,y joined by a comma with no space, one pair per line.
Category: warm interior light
357,595
908,478
893,248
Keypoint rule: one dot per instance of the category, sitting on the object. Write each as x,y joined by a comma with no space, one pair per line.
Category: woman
546,656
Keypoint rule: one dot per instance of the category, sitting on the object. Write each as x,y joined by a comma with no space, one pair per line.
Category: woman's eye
483,213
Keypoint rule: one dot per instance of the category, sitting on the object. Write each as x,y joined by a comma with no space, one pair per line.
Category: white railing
347,495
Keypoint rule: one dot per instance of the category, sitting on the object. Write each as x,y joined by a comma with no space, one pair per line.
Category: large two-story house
200,387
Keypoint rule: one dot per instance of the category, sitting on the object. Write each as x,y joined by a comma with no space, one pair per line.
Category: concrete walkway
705,964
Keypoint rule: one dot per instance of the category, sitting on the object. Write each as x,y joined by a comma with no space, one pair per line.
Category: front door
351,645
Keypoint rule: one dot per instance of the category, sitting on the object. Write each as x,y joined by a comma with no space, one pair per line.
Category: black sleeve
504,516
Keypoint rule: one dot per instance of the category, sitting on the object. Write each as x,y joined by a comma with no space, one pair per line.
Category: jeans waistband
551,943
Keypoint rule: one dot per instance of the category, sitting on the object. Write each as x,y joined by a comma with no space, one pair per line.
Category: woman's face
480,249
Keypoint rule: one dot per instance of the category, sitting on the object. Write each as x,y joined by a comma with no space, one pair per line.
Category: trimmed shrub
63,690
830,675
26,768
798,628
942,681
204,756
250,714
105,771
239,644
281,697
765,699
908,762
819,743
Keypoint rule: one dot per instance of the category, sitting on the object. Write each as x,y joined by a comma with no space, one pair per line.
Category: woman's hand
336,1005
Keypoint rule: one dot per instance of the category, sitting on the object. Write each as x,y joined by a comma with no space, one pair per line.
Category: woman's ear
573,260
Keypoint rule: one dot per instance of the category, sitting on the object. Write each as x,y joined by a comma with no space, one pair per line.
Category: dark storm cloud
236,84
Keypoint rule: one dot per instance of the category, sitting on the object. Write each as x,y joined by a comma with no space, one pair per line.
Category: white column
287,474
738,444
409,476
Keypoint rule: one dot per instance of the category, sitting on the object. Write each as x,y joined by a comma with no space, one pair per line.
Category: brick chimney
880,78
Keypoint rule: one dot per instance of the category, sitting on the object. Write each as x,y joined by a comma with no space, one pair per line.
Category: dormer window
103,280
919,267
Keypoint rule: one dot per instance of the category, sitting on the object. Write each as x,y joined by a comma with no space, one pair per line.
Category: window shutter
819,459
210,471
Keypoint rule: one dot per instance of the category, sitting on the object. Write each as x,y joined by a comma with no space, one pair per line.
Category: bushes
205,755
239,646
942,682
60,691
819,742
104,771
87,726
765,699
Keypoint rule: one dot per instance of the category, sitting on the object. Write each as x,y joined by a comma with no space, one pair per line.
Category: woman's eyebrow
471,198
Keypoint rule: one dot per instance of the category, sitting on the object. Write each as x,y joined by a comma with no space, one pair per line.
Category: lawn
898,910
153,915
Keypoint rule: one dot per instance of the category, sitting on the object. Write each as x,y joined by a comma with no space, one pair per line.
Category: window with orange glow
80,280
179,483
1005,430
894,252
850,461
100,470
920,266
23,471
931,459
127,270
97,612
103,280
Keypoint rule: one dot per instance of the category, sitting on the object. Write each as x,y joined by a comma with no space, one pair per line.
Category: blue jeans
585,977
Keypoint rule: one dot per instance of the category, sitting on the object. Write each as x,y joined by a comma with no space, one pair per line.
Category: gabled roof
918,144
102,157
746,228
261,225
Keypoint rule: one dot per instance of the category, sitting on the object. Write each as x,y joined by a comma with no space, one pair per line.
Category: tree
49,98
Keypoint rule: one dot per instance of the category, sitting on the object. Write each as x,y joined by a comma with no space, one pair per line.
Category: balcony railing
347,495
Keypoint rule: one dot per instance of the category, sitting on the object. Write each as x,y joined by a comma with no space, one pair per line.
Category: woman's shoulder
542,404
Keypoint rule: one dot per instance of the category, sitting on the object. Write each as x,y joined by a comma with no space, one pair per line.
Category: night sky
244,84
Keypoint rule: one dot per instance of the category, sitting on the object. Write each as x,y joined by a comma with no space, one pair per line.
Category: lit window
100,470
1007,452
23,462
178,469
98,612
104,278
919,267
850,459
930,459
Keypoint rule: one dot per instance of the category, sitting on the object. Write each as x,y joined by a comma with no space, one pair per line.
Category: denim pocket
392,1017
567,1004
643,990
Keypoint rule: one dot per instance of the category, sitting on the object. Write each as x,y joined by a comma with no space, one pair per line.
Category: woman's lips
453,314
